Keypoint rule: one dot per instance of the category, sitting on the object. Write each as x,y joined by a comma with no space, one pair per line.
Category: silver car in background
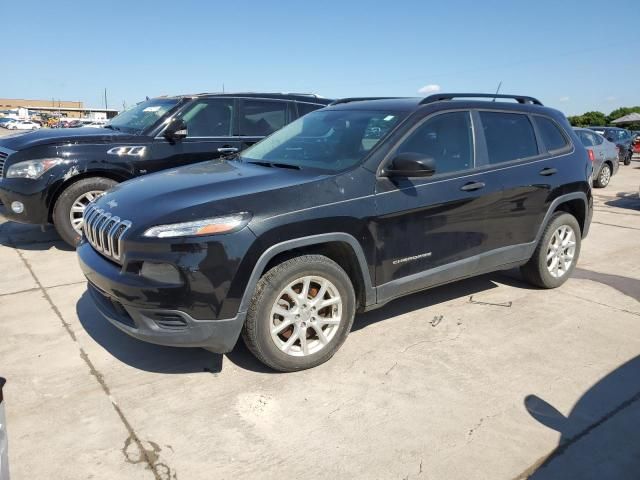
4,454
603,155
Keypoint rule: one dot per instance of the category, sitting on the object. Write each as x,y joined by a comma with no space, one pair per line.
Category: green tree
588,118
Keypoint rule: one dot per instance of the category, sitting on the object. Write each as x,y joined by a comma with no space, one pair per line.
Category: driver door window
210,118
447,138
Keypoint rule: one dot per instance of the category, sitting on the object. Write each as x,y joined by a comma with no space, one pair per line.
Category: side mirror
177,130
411,164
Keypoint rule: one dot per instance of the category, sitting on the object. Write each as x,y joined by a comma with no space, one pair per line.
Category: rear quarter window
552,136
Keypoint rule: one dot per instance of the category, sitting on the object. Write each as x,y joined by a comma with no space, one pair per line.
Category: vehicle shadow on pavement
31,237
428,298
600,438
157,358
143,355
628,200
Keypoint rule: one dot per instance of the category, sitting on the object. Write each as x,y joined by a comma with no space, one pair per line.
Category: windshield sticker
152,109
389,117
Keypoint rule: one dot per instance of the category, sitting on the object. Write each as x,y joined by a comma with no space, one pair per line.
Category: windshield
326,139
136,119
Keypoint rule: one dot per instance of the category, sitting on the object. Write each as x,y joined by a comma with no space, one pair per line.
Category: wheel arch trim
559,201
272,251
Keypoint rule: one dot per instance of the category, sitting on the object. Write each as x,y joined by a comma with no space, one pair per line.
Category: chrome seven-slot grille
3,157
104,231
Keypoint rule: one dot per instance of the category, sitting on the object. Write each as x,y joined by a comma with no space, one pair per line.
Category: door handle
472,186
227,150
545,172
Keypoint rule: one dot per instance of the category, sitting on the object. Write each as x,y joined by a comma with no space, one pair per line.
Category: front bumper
169,327
190,314
31,193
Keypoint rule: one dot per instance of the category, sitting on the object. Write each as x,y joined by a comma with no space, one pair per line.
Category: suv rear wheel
557,253
300,314
69,208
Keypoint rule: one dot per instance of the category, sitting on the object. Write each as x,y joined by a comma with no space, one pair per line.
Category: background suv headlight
32,168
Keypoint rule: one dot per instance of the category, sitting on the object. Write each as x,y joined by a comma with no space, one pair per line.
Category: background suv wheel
300,314
68,210
557,252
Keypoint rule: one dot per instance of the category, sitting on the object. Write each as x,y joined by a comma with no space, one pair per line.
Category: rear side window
597,139
304,108
551,135
260,118
509,136
585,138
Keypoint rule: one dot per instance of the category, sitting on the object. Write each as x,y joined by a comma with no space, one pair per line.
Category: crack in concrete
27,290
160,471
446,339
624,310
35,289
614,225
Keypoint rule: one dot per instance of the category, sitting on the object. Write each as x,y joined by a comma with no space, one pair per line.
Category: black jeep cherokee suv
341,211
51,175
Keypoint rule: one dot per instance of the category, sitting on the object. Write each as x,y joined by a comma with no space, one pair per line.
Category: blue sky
573,55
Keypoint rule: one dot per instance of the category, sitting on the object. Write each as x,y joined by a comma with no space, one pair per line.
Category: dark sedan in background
621,137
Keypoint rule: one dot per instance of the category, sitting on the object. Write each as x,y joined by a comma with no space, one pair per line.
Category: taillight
592,156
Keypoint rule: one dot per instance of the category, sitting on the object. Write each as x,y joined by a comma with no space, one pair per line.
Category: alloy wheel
605,176
305,316
561,251
76,214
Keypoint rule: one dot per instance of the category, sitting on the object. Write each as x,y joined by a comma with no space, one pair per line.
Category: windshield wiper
111,127
275,164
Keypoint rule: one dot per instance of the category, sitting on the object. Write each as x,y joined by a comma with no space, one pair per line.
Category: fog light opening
17,207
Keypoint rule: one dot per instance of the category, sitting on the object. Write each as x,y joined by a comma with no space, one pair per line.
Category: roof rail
450,96
359,99
303,94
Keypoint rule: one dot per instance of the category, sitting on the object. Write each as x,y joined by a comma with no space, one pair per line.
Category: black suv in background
341,211
51,175
621,137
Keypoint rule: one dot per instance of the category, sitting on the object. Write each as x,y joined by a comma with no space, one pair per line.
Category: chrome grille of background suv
3,158
104,231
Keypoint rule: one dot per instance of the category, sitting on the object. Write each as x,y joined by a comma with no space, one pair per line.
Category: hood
201,190
48,136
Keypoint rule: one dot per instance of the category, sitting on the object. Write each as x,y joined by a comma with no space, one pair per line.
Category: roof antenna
497,90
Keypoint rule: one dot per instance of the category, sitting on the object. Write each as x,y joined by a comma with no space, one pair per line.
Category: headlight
32,168
207,226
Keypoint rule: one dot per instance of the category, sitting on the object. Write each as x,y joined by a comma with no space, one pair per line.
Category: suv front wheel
70,206
300,314
557,252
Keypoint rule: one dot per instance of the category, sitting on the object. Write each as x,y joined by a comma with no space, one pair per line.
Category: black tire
256,331
535,271
66,199
604,176
627,159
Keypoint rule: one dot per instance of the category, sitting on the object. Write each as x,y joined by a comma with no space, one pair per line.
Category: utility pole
105,99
